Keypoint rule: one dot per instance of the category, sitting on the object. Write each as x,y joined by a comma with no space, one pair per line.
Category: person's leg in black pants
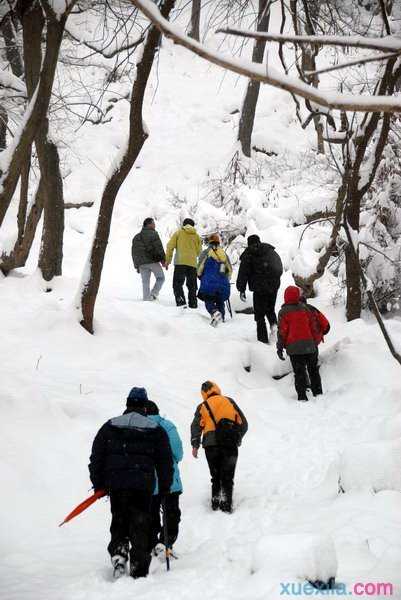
118,547
228,464
312,364
173,518
298,362
178,282
270,307
140,530
213,457
192,285
156,522
131,523
259,308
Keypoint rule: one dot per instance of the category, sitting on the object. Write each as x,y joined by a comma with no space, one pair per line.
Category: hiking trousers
185,274
301,364
173,517
146,271
131,526
264,304
222,461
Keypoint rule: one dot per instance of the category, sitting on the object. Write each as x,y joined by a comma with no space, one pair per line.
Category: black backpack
228,432
267,265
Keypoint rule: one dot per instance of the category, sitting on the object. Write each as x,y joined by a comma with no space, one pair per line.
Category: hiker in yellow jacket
221,425
187,245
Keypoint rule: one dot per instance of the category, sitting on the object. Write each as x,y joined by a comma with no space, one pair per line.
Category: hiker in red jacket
301,328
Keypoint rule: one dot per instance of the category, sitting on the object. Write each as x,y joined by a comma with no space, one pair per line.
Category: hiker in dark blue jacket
214,272
171,500
127,454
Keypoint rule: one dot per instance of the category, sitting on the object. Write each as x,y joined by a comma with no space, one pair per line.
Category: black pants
131,524
264,306
222,462
182,274
302,363
173,517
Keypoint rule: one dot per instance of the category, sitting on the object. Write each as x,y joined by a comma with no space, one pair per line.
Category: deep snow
60,384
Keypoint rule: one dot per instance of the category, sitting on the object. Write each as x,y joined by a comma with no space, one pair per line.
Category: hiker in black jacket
127,453
261,269
149,257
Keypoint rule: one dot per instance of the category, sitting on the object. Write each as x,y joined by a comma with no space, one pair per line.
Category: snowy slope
59,384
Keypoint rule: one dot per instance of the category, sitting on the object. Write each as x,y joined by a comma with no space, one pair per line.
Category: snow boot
160,551
216,318
139,568
303,398
215,503
226,506
118,563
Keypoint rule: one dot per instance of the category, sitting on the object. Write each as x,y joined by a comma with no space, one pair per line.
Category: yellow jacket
187,245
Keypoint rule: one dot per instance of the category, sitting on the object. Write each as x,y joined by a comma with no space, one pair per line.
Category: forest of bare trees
356,125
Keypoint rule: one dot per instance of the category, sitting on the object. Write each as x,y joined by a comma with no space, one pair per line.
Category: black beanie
188,222
136,397
253,240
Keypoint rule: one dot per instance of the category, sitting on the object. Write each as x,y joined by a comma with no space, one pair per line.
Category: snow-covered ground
60,384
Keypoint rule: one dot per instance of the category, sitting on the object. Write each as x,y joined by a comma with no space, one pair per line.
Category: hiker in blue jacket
171,500
214,272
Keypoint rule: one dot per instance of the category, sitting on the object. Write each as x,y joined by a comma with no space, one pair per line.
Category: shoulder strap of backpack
209,410
231,401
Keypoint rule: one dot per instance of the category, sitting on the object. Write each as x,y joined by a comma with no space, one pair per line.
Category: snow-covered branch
276,79
10,81
384,44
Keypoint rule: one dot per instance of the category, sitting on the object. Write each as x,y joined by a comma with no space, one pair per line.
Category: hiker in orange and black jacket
212,417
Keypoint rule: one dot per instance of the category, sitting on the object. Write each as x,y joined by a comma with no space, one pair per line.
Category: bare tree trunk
3,127
8,32
23,198
19,255
51,251
307,283
37,109
136,138
195,20
10,39
357,191
248,110
308,57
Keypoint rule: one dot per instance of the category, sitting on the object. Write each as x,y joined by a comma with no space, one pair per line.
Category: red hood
292,295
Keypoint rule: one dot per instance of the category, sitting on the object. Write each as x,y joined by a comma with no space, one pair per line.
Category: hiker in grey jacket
149,257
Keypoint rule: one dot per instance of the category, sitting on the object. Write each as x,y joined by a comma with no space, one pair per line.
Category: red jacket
301,327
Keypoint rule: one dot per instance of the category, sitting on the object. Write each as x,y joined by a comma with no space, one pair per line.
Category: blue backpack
215,285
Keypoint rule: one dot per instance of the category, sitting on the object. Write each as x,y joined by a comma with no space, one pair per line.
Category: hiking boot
216,318
118,563
226,506
139,569
303,399
215,504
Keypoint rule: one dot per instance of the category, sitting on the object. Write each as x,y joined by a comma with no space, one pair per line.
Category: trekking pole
165,534
229,307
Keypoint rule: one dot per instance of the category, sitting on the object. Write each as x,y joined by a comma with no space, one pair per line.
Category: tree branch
387,44
273,77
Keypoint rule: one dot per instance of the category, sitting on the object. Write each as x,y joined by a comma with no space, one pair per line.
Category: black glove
280,354
242,295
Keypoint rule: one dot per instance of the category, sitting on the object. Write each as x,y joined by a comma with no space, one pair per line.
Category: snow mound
374,466
310,557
